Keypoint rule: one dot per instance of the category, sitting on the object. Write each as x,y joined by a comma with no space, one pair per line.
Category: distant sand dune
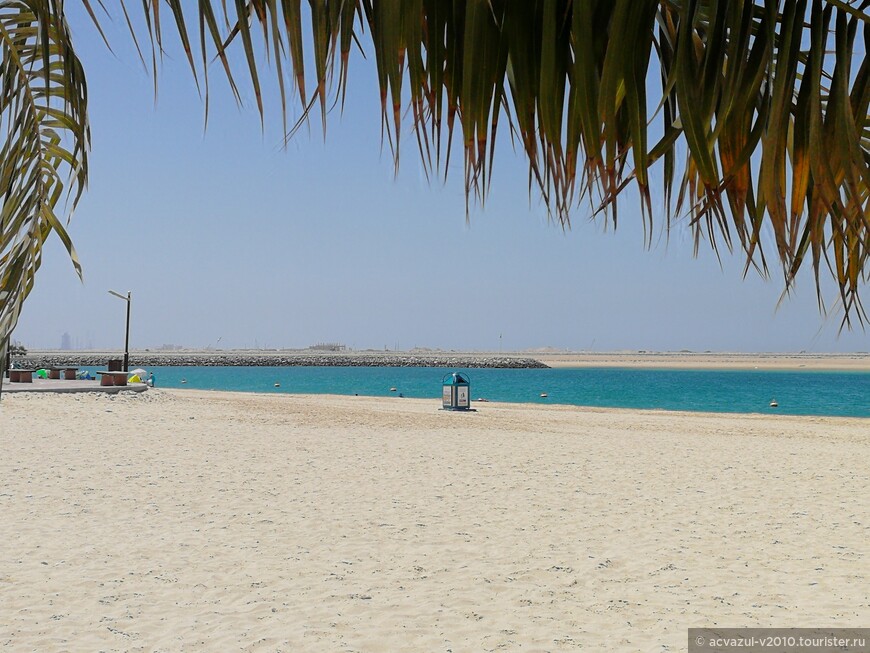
859,361
188,521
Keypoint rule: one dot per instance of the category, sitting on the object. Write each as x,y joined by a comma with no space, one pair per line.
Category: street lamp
127,338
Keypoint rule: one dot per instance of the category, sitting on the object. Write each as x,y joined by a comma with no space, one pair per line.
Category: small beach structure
21,376
455,391
112,378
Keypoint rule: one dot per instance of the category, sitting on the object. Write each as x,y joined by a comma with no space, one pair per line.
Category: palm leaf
43,152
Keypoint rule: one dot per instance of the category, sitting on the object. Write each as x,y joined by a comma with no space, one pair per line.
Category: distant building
328,346
65,342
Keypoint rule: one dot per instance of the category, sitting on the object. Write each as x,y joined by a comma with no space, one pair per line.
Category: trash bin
455,392
115,365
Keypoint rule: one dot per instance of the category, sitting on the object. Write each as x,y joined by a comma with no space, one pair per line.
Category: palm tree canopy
750,115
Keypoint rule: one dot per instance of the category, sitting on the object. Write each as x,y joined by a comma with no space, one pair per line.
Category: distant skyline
225,239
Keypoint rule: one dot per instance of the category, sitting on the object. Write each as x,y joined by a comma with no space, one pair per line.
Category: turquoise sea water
797,392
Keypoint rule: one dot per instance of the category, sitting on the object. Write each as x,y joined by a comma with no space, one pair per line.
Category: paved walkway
60,385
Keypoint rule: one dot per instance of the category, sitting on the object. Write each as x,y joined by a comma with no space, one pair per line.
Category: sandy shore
709,360
193,521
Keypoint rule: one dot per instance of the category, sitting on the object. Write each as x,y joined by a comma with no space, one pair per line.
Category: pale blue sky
225,239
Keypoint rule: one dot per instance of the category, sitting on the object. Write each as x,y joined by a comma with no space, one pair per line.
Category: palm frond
762,100
43,144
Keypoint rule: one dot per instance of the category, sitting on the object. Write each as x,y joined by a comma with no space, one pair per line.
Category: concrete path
60,385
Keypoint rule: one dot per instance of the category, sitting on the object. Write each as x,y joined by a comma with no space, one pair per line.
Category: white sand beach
205,521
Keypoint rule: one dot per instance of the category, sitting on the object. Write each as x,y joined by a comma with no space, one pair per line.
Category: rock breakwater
280,359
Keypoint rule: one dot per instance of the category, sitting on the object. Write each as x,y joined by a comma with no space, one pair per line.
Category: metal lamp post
127,338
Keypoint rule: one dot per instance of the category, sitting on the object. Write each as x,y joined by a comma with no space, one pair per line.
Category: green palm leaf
43,151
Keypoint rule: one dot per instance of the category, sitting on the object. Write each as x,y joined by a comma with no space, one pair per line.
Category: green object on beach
42,374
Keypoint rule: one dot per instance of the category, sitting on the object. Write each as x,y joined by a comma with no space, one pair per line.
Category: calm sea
797,392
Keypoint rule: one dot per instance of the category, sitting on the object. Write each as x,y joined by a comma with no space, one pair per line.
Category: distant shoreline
858,361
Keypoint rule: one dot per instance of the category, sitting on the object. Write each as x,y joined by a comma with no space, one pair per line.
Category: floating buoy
773,403
543,395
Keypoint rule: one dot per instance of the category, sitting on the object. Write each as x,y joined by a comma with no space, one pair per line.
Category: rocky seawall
37,360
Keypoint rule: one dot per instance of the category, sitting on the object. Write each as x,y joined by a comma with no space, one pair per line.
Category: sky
228,240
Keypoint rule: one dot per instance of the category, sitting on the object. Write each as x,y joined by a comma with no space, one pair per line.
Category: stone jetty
294,358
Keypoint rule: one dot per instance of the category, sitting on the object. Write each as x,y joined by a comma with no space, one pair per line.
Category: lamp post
127,338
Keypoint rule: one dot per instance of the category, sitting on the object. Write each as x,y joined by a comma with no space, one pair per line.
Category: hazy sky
227,240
